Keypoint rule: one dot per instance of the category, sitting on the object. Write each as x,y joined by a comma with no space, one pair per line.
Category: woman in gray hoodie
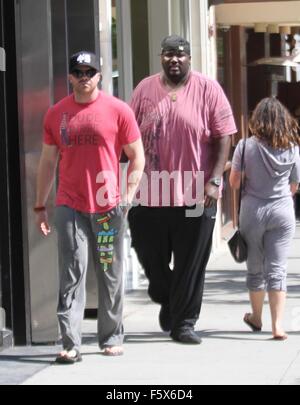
267,219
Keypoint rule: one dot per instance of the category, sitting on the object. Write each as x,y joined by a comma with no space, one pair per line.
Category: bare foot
71,353
279,334
63,353
254,324
280,337
66,353
113,351
68,357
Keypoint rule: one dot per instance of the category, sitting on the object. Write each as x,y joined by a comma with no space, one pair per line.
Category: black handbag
238,247
236,244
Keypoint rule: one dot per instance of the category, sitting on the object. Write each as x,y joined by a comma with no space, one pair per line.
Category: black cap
84,58
175,43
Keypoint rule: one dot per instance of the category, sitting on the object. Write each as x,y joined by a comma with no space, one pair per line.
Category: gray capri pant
104,233
268,227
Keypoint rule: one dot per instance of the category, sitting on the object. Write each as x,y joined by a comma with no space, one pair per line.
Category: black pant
156,234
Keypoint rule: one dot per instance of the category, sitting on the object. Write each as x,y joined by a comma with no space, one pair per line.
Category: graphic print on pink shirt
179,135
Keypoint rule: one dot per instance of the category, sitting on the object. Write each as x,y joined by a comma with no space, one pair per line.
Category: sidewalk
230,353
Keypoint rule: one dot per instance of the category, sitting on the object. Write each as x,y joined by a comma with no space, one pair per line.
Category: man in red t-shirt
87,132
186,123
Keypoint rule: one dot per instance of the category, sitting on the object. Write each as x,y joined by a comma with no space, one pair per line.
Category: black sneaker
188,336
164,318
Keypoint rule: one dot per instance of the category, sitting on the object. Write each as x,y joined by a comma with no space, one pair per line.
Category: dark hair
272,123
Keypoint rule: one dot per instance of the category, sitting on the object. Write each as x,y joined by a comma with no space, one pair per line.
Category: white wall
200,45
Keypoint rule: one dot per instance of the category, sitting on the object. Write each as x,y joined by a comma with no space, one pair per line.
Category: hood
277,161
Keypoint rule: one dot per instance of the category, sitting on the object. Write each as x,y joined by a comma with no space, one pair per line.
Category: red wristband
39,209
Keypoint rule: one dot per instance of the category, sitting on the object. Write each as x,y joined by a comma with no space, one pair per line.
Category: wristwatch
216,181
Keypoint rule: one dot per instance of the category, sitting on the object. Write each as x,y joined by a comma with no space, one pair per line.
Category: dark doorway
13,292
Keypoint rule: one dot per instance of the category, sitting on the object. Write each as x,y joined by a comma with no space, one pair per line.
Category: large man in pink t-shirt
86,132
186,123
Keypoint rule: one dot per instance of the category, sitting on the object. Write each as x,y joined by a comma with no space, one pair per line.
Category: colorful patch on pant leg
105,240
105,248
104,222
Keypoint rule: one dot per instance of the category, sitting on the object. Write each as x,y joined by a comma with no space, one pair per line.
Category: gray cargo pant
268,227
104,233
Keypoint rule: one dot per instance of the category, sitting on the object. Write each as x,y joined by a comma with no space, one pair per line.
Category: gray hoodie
268,171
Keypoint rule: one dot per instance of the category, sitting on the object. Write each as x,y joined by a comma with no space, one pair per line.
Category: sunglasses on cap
79,74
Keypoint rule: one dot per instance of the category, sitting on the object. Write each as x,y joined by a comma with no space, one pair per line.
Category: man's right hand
41,219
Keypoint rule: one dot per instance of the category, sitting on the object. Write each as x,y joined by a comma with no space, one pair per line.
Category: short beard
177,79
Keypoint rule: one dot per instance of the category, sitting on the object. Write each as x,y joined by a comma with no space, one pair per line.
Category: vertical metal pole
106,45
124,45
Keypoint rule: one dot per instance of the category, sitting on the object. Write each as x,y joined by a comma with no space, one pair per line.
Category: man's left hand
211,195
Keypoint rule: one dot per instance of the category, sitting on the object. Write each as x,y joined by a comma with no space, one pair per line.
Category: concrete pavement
230,353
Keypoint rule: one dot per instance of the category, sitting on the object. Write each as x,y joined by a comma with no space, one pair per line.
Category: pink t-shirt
90,138
178,135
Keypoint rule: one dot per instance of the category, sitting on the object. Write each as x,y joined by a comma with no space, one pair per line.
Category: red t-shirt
90,137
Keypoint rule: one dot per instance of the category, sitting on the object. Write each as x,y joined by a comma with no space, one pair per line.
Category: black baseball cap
175,43
84,58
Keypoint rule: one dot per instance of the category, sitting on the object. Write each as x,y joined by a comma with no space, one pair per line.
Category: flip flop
250,324
109,353
65,359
